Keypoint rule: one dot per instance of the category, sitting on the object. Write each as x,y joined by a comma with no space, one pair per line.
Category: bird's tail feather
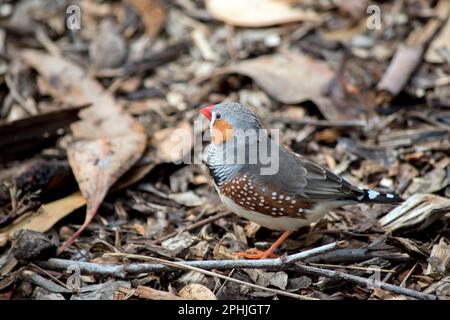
372,196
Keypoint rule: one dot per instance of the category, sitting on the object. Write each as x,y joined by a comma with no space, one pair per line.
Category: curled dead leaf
109,141
289,78
173,144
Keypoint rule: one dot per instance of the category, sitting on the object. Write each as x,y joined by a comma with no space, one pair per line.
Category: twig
121,271
365,282
27,105
325,265
322,123
193,226
106,269
224,283
353,255
180,265
408,55
168,54
62,284
403,283
47,42
44,283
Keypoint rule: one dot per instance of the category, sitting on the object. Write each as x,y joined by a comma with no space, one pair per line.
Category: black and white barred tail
372,196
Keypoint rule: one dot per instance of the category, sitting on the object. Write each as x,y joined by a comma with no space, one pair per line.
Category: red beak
206,111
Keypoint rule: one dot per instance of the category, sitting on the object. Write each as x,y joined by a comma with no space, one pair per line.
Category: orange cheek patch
221,131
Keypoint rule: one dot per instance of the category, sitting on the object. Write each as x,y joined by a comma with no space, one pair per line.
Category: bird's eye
218,116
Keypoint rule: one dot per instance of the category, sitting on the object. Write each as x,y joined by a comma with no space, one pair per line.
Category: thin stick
50,275
121,271
180,265
25,104
224,283
403,283
43,282
324,265
107,269
193,226
365,282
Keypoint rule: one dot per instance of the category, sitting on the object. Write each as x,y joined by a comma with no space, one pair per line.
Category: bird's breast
269,221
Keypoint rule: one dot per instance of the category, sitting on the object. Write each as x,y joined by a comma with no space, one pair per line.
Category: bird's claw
256,254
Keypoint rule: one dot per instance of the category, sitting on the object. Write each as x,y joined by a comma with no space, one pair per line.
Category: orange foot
256,254
269,253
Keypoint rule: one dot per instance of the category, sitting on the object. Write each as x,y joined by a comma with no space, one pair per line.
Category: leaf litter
99,110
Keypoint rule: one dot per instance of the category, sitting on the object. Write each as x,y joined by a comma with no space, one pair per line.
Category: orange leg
257,254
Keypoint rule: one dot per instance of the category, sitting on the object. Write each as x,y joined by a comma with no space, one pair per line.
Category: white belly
276,223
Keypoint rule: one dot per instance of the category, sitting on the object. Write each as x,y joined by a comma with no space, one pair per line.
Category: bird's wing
297,187
306,180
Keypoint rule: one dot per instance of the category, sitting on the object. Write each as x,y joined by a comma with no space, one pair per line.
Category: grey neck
220,166
229,158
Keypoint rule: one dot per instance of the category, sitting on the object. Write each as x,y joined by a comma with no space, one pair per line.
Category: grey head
236,115
240,150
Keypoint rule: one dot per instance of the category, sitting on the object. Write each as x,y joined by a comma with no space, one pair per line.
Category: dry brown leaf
251,228
221,252
133,175
289,78
62,81
200,249
174,144
258,13
240,233
195,291
46,216
192,277
152,14
178,243
109,141
264,279
386,295
188,198
153,294
104,291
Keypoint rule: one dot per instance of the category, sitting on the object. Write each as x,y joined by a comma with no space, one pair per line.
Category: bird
298,193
